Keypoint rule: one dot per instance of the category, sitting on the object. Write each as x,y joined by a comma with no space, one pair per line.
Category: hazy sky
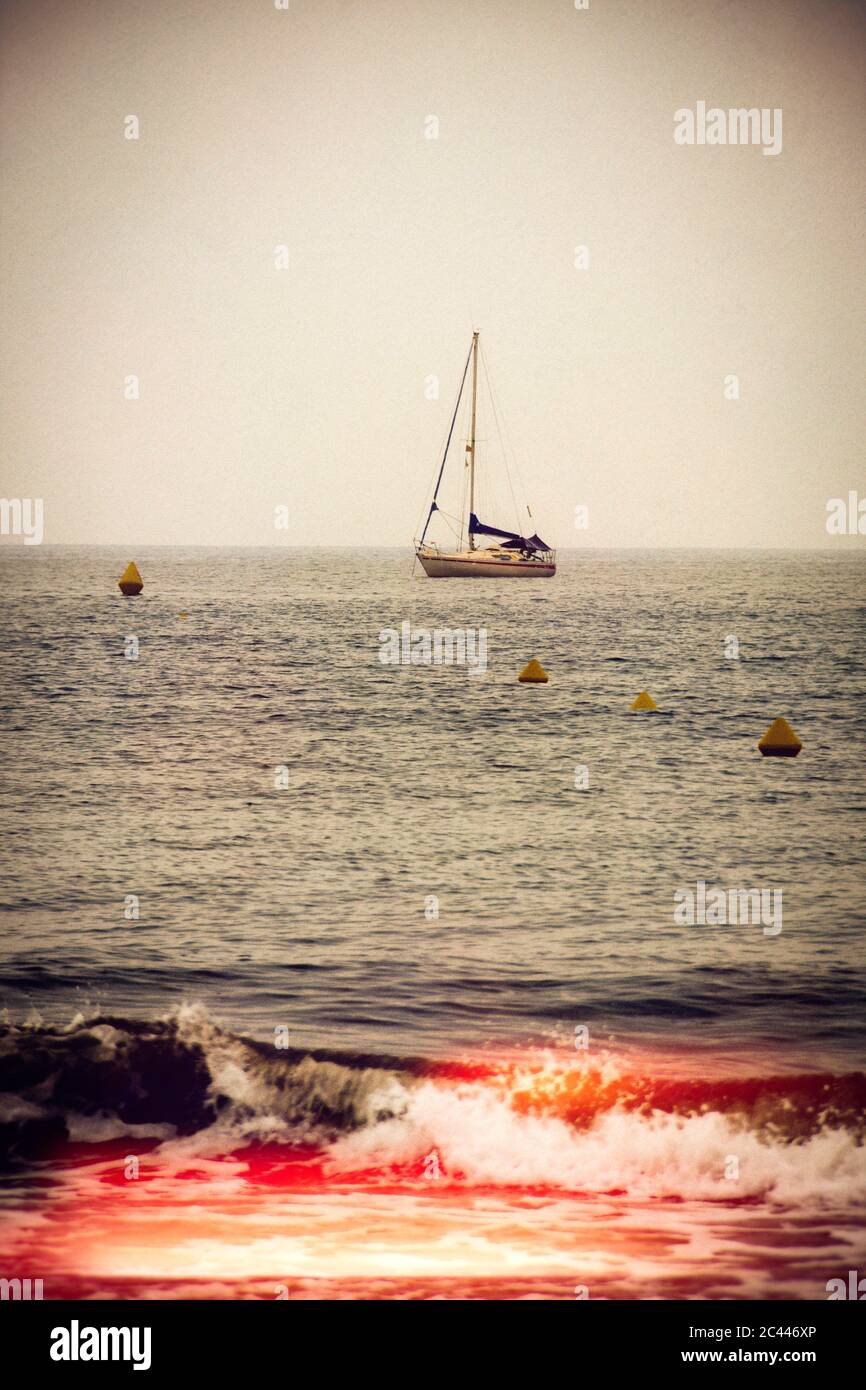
305,386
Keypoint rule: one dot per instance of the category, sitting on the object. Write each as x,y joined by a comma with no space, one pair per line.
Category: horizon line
19,545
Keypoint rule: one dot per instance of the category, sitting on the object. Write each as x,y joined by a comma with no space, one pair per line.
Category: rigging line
515,461
424,507
507,448
448,518
418,525
502,444
448,443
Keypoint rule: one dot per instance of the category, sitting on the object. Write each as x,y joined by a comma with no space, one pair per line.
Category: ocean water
405,1009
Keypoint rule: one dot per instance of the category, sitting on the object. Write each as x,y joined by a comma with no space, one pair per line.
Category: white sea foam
480,1139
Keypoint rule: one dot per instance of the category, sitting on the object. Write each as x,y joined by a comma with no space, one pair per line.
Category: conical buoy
533,674
644,701
780,741
131,582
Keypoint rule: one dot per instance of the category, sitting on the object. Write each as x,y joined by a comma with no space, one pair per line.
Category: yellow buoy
131,582
780,741
183,615
533,674
644,701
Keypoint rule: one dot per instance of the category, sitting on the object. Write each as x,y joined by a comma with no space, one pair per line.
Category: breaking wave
545,1120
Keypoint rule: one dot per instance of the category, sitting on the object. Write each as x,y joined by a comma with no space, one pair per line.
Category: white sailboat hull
481,564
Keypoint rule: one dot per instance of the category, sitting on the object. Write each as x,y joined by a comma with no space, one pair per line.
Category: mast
472,437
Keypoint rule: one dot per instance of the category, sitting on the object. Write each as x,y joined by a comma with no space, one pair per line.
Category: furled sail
511,538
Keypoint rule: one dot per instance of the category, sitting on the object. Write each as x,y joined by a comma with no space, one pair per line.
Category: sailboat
515,556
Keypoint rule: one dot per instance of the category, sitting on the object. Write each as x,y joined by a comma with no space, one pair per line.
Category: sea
326,975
